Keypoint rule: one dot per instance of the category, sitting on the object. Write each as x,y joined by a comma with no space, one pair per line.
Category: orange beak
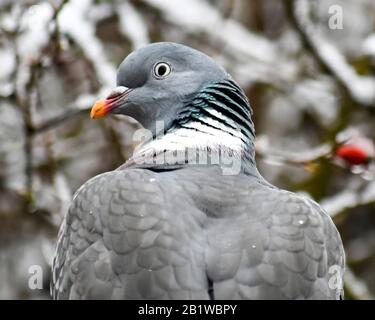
115,99
99,110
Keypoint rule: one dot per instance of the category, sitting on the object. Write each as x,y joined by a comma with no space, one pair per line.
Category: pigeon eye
161,70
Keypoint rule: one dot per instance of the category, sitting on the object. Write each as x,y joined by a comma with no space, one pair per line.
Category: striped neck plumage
217,121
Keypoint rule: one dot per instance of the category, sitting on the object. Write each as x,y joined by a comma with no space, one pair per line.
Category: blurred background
308,68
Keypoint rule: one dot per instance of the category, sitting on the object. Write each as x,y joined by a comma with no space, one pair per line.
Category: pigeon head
155,81
196,100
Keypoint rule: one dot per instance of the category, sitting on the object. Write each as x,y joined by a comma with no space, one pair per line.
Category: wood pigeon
189,216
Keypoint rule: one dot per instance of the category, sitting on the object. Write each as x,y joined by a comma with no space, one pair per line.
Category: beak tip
98,110
92,114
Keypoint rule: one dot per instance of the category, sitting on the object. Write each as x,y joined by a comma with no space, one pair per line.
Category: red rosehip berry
353,154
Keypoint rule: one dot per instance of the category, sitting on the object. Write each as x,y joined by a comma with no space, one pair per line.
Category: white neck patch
195,143
190,138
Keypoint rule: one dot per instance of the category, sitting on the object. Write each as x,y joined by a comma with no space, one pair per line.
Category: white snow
7,67
198,15
132,25
362,88
34,24
369,45
7,62
317,96
349,198
74,21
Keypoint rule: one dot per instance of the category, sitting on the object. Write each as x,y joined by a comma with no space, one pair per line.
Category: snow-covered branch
249,57
359,194
360,88
264,151
355,287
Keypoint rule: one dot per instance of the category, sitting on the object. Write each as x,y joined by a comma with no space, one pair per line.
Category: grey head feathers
198,102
